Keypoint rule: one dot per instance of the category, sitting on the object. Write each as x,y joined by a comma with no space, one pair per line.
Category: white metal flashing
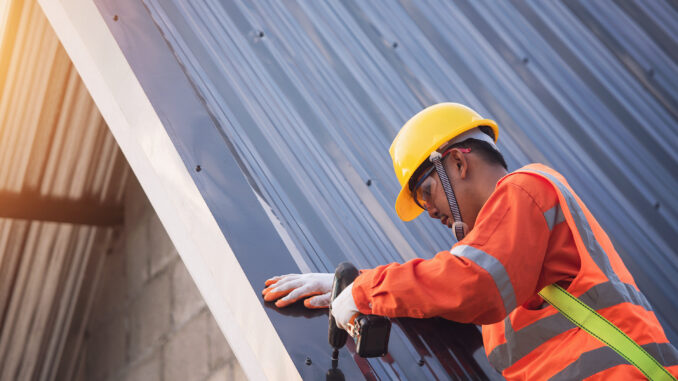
159,168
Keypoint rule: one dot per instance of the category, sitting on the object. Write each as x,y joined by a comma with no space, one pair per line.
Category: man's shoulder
535,185
527,178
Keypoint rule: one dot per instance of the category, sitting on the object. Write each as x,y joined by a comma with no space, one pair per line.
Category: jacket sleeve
483,278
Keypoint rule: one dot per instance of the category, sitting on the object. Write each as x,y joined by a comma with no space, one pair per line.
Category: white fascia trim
159,168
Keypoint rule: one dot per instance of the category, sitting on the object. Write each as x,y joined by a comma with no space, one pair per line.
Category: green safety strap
602,329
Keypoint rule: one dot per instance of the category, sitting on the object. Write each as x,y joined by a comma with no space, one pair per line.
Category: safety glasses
421,192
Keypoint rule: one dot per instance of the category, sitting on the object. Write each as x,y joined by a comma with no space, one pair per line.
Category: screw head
115,17
308,361
198,168
368,182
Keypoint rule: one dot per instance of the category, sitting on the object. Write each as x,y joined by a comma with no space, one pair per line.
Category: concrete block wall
148,320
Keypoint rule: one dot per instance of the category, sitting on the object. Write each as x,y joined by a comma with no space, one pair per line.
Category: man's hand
287,289
344,309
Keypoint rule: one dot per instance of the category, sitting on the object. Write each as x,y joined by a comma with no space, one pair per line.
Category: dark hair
483,149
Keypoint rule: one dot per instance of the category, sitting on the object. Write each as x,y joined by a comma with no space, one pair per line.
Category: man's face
431,196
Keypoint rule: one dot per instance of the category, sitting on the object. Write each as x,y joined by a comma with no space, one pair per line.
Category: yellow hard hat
422,134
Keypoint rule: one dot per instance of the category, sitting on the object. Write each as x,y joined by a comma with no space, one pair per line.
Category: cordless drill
370,332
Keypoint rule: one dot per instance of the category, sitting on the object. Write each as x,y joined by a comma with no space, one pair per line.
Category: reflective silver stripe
554,216
598,360
496,270
520,343
524,341
583,228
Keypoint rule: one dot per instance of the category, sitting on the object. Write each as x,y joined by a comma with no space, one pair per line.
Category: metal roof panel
306,96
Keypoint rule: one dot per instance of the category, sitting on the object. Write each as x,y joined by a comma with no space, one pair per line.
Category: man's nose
432,211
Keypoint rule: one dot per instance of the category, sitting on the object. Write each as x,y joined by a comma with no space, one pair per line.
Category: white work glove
344,309
287,289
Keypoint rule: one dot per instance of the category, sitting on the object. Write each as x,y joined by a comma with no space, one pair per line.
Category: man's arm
487,274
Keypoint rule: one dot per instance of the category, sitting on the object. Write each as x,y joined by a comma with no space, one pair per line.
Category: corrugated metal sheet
307,96
311,94
55,144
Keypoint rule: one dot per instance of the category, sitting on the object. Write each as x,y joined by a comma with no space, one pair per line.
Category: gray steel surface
307,96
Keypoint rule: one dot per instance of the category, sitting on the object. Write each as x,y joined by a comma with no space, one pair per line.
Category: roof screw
421,362
657,205
198,168
526,60
308,361
257,34
394,44
368,182
115,17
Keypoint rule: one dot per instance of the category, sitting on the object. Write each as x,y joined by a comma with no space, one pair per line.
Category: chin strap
458,226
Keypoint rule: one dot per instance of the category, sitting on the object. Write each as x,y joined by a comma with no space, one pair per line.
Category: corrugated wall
311,94
54,144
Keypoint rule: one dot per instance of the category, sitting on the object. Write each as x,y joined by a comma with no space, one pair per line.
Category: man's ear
459,163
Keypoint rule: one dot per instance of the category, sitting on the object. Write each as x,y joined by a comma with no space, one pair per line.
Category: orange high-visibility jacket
533,231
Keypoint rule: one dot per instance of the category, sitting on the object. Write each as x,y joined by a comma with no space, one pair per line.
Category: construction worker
517,233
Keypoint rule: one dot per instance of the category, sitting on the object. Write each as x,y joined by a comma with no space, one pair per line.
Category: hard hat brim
405,206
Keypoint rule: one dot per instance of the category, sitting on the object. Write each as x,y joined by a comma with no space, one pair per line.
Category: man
518,233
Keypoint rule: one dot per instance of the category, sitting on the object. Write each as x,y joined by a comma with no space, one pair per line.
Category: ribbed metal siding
53,144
